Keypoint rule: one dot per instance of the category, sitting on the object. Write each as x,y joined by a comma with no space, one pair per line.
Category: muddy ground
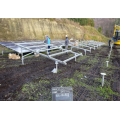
34,80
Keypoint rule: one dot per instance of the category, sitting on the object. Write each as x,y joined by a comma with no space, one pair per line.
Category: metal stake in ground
2,50
56,62
90,49
103,74
22,57
111,46
85,52
75,56
107,63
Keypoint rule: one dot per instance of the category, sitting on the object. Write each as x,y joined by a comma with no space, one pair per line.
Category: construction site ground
34,80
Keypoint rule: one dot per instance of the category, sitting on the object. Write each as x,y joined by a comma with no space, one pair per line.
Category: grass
35,91
81,58
93,61
42,90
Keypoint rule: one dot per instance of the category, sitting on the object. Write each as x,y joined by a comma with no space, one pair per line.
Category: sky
57,9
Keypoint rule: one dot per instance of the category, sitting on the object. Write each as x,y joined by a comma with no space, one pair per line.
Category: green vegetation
84,21
81,58
92,34
100,29
37,91
107,33
117,21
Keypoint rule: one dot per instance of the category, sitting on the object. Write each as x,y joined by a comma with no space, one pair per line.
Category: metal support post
111,46
22,60
22,57
21,53
103,74
90,49
109,56
107,63
85,52
102,80
97,46
56,62
75,56
2,51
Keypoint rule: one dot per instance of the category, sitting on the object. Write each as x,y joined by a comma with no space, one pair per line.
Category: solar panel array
34,45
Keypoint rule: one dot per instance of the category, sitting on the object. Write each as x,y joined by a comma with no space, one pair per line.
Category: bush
83,21
100,29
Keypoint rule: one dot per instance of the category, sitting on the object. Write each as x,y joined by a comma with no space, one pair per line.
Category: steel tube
28,54
102,80
45,56
51,48
81,48
70,58
29,43
86,46
21,53
59,53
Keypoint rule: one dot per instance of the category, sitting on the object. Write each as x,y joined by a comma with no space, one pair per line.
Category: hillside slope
14,29
107,25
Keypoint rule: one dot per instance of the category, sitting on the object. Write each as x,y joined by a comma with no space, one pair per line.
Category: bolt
107,63
103,74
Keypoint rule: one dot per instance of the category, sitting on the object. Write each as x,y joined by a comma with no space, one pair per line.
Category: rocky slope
14,29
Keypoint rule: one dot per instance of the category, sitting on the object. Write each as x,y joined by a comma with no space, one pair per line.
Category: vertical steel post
111,46
102,80
2,51
22,57
109,56
85,52
75,56
103,74
22,60
107,63
56,62
90,49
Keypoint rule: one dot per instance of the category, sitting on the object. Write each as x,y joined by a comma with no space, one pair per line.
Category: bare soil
34,80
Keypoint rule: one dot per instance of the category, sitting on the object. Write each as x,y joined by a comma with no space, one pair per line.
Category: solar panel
34,45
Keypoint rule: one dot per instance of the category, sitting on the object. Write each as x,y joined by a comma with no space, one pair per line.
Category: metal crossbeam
49,56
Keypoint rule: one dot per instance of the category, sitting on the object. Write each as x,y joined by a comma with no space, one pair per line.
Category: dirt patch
34,80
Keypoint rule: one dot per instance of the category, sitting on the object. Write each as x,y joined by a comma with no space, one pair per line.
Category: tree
107,33
83,21
100,29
